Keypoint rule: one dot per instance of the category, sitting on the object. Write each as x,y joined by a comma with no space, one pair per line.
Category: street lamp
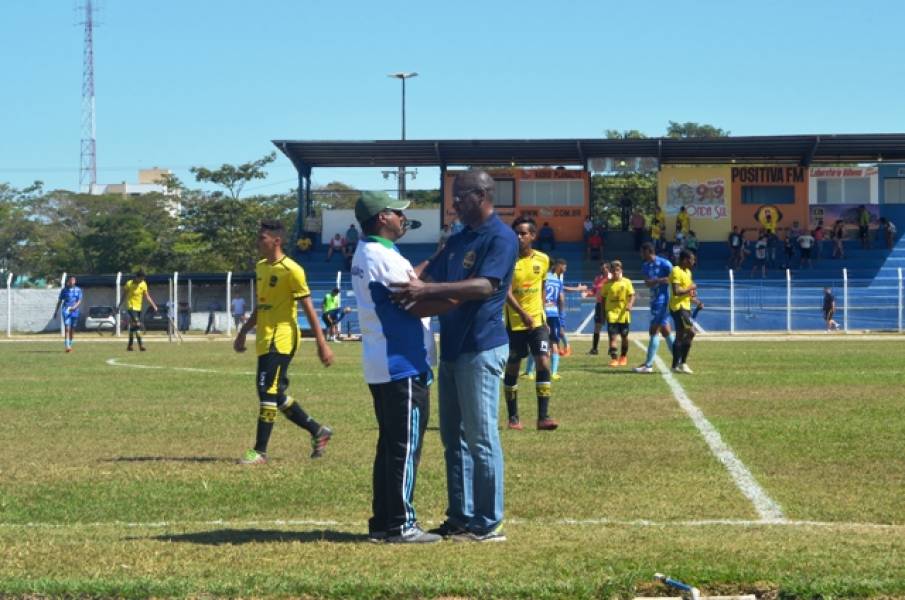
402,76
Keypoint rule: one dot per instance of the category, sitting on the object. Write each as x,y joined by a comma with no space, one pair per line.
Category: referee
398,353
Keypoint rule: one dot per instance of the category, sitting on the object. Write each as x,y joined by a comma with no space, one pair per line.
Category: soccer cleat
515,424
565,351
494,535
614,362
593,351
130,349
253,457
68,349
555,376
623,361
447,529
414,535
685,369
142,348
643,369
319,441
547,424
531,376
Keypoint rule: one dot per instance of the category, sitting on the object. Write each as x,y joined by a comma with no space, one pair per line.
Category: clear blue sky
203,82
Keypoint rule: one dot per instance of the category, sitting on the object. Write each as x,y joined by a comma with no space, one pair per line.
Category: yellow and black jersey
616,295
135,293
279,286
528,288
682,278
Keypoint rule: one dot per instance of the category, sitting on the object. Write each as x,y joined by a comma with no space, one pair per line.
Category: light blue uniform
658,268
70,296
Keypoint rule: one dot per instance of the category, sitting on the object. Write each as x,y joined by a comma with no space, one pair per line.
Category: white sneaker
643,369
677,370
685,369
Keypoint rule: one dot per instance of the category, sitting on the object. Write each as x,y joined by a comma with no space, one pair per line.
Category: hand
528,321
325,354
239,342
407,293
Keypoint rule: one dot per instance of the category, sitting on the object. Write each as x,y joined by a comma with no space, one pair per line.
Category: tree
694,130
628,134
233,177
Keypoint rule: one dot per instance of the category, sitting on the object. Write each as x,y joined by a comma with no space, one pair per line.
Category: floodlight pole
402,76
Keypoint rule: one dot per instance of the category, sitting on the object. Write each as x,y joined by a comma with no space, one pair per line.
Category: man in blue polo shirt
474,268
656,270
70,299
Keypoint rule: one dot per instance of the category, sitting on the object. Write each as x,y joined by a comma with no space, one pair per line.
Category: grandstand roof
797,149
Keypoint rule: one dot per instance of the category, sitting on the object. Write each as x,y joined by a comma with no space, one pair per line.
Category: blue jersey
70,296
657,269
552,292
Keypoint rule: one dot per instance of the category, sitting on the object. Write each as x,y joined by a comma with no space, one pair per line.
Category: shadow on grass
247,536
185,459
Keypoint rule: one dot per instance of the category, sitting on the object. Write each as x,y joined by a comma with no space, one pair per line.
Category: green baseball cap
374,203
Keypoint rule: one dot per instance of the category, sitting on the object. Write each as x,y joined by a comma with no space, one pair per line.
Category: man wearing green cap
398,355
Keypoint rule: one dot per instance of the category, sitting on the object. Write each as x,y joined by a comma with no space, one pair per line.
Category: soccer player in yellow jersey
526,324
683,291
281,285
618,299
136,290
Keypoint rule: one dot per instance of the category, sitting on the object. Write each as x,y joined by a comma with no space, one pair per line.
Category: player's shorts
614,329
555,326
682,320
805,253
271,380
598,313
828,314
134,319
535,342
659,314
70,319
332,317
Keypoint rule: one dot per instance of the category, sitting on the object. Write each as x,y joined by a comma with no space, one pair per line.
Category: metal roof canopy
793,149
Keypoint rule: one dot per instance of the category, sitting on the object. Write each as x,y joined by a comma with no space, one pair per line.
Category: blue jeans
469,408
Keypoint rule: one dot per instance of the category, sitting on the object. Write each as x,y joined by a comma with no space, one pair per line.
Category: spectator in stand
588,228
638,224
772,248
789,250
760,255
795,232
594,247
336,245
683,224
735,248
746,249
678,246
546,237
888,229
237,308
691,242
806,243
838,237
656,236
660,217
352,237
769,223
819,234
864,227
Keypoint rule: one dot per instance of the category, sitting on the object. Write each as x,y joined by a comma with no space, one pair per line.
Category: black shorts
134,319
535,341
828,313
805,253
598,313
682,320
614,329
271,379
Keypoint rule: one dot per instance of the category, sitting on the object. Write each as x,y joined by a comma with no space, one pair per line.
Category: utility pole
402,172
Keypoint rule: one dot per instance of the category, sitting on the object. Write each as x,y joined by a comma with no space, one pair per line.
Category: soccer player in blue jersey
70,299
656,270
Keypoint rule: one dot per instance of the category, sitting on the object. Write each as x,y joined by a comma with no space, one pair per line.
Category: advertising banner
705,194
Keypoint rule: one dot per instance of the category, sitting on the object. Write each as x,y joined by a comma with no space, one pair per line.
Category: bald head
473,196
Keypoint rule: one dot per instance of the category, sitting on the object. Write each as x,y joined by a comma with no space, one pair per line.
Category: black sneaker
377,537
413,535
447,529
494,535
319,441
593,351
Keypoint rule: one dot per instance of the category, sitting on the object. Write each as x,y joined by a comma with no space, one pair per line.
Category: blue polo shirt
490,250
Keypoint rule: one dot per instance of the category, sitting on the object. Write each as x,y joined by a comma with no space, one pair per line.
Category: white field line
766,507
584,323
114,362
565,522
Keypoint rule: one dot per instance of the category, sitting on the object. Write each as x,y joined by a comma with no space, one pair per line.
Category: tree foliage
234,177
691,129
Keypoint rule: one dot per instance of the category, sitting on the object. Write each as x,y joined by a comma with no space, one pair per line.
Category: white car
100,318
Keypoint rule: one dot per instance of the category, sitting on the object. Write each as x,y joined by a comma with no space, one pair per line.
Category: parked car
156,320
100,318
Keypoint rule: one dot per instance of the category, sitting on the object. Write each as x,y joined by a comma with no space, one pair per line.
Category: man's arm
477,288
151,300
57,308
239,343
631,302
323,350
514,305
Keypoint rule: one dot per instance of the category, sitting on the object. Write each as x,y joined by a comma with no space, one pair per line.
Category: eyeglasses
464,193
396,212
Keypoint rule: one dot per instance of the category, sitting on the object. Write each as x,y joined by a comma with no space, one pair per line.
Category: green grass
117,481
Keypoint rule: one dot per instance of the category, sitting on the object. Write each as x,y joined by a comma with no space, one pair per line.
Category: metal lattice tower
88,161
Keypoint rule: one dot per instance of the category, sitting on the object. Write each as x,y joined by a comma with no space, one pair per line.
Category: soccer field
778,469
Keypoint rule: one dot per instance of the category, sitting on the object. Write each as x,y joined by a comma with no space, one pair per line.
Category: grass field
121,481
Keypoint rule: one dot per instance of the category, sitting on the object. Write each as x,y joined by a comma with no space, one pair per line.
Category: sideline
768,509
114,362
